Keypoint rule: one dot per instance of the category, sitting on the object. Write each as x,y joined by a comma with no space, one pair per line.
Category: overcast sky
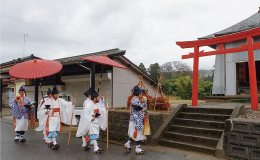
146,29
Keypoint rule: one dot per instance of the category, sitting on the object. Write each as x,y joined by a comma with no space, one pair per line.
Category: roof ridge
19,59
93,53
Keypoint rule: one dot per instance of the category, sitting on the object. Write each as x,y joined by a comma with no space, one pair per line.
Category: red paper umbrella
104,60
35,69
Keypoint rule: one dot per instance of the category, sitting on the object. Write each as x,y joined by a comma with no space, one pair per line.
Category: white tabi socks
48,140
138,149
21,137
45,136
127,144
17,137
84,144
95,145
54,141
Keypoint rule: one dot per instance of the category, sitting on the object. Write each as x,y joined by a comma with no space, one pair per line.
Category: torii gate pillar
195,76
252,74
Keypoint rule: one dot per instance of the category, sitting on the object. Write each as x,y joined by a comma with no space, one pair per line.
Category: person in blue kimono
21,107
135,130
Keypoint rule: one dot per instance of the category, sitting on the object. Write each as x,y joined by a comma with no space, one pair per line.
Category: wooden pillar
36,96
93,72
195,76
252,74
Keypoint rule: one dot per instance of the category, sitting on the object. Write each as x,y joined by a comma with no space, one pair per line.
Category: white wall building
74,78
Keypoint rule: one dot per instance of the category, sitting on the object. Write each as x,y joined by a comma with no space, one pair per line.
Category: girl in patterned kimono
21,114
135,130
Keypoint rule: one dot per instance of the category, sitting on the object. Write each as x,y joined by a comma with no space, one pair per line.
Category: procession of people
54,111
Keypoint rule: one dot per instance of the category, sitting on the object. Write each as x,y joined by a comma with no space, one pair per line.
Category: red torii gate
250,47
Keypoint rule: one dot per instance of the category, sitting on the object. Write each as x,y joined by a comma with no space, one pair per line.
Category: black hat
94,94
49,91
22,89
55,90
88,92
137,91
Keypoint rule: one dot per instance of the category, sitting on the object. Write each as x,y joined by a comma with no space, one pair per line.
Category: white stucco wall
227,64
219,75
78,84
123,83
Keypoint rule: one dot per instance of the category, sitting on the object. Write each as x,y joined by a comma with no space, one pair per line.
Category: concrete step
192,139
207,132
199,123
186,146
207,110
204,116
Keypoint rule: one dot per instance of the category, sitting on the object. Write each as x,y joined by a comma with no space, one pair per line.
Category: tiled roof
76,59
19,60
247,24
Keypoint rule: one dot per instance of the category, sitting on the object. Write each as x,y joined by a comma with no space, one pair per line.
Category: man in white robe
46,98
88,95
50,119
94,118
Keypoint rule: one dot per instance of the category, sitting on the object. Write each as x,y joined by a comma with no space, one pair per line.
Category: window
65,96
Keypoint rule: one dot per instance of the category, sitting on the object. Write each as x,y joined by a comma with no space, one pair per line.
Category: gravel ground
206,103
251,114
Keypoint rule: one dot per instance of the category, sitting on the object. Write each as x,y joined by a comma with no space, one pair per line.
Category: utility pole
24,43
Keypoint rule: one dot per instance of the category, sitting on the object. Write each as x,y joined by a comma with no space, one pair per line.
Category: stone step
192,139
204,116
207,132
186,146
207,110
199,123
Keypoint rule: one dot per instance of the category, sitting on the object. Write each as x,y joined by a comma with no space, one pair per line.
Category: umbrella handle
100,79
41,91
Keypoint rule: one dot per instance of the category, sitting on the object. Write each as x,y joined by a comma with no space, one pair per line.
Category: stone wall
244,139
118,122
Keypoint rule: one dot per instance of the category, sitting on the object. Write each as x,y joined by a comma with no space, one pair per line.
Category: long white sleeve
66,109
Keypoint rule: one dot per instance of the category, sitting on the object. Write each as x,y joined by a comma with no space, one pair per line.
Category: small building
231,74
10,85
74,77
237,51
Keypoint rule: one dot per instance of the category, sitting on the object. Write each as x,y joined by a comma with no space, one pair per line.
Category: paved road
34,148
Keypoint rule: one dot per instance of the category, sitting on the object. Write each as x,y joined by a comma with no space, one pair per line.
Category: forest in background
176,77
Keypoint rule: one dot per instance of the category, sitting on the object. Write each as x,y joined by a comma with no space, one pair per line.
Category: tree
166,70
154,70
181,67
169,83
175,67
142,67
183,87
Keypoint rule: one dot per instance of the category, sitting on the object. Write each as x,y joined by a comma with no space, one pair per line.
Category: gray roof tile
76,59
247,24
